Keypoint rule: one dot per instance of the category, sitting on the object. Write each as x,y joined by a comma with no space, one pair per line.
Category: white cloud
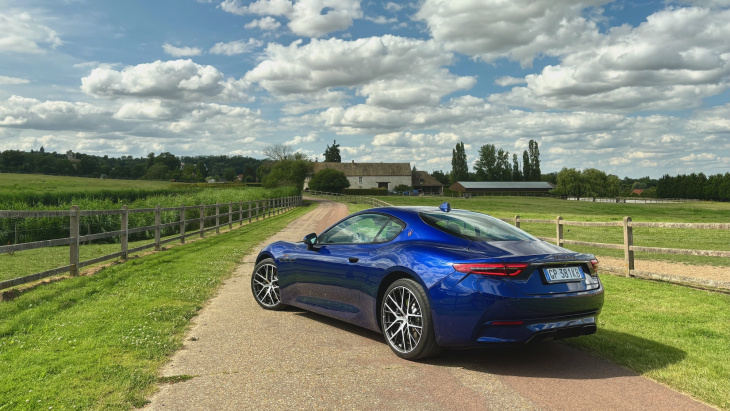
408,139
670,62
181,51
312,18
509,81
267,23
390,71
5,80
22,33
144,110
518,29
173,80
236,47
34,114
699,157
297,140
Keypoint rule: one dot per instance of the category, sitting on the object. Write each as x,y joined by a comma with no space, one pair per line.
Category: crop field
37,183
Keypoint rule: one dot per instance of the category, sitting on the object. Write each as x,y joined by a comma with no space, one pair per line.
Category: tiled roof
367,169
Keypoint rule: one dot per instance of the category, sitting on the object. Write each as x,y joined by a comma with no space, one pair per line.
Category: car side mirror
310,240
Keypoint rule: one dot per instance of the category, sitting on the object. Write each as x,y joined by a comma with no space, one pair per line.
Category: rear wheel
265,285
406,321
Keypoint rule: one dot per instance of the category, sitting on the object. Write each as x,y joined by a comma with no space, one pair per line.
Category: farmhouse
470,187
426,183
370,175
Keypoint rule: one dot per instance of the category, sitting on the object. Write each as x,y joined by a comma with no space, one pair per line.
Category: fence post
125,232
230,216
240,213
217,218
559,228
158,221
202,221
250,207
268,206
74,234
182,224
517,221
628,243
257,210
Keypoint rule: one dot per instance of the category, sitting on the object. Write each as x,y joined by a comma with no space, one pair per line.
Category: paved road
243,357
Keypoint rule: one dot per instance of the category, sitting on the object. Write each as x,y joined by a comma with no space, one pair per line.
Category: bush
329,180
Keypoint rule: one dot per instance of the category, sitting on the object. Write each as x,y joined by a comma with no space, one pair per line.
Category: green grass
676,335
37,183
99,341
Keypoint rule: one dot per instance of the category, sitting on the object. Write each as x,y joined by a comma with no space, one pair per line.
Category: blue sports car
433,277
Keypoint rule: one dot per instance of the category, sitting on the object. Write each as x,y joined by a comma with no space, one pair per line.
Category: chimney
353,161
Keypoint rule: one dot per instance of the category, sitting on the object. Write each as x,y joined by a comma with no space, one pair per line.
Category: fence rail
628,244
375,202
246,211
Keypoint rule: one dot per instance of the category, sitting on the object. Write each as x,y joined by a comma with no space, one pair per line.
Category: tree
278,152
288,172
570,183
486,165
329,180
534,161
459,168
502,169
526,169
516,173
332,153
442,177
229,174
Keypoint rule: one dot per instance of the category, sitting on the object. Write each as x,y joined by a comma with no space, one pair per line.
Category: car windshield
474,226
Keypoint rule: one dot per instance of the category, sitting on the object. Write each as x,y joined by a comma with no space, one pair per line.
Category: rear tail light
594,263
501,269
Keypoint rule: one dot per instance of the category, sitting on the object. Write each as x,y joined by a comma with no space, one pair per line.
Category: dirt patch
705,272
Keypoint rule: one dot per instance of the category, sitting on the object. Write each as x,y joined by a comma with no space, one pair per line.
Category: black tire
406,321
265,285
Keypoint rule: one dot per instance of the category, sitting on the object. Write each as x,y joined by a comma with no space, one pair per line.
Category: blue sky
633,88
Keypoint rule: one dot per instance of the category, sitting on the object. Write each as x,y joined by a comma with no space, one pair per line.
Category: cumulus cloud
670,62
181,51
30,113
267,23
519,29
298,140
312,18
236,47
172,80
408,139
22,33
390,71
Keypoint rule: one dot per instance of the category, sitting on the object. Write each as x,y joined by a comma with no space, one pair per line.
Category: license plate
563,274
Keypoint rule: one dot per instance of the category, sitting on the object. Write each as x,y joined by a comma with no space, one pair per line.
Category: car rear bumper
470,311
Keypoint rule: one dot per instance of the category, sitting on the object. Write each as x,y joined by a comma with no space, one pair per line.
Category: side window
390,231
361,228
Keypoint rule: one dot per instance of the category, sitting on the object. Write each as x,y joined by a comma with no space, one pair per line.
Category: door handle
353,259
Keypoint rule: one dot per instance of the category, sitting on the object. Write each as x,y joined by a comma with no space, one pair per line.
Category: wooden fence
249,210
629,248
351,198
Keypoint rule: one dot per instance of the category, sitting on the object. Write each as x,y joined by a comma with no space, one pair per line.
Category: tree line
695,186
494,165
163,166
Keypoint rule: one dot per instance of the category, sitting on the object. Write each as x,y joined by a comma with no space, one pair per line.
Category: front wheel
406,321
265,285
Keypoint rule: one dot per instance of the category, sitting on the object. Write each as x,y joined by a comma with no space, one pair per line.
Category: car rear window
474,226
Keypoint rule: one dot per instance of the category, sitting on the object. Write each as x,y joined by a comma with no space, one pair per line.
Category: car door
330,275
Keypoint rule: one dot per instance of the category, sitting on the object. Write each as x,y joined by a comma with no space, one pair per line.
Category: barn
494,187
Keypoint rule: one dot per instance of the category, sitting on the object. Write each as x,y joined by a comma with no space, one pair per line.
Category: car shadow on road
556,359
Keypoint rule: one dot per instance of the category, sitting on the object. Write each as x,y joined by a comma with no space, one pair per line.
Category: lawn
38,183
99,341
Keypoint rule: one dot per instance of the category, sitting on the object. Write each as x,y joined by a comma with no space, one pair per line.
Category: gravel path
243,357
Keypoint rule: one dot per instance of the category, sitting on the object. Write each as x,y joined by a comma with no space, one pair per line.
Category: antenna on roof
445,207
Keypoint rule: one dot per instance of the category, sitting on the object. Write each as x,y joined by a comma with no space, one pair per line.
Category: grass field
98,342
39,183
